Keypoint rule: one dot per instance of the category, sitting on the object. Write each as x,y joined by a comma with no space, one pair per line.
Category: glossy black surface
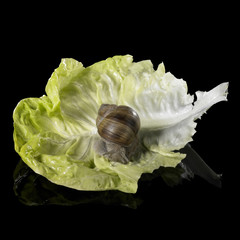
197,48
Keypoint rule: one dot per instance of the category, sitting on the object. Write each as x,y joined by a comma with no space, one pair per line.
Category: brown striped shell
117,124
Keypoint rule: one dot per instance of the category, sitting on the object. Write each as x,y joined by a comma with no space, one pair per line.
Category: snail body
118,127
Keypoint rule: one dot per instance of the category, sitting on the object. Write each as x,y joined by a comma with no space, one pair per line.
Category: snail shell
118,124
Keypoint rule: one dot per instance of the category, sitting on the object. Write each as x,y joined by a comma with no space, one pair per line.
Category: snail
118,127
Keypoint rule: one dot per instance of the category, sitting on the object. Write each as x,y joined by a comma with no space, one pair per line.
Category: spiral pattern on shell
118,124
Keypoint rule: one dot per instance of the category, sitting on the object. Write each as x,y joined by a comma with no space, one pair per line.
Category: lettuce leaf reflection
33,189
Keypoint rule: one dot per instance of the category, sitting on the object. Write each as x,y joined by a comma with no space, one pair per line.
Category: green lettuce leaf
55,134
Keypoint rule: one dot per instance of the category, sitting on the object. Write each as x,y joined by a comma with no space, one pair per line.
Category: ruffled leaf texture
55,134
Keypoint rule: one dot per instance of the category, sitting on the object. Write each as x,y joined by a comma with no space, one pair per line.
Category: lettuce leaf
55,134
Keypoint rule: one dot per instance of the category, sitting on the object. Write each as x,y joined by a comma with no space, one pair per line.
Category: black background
196,44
